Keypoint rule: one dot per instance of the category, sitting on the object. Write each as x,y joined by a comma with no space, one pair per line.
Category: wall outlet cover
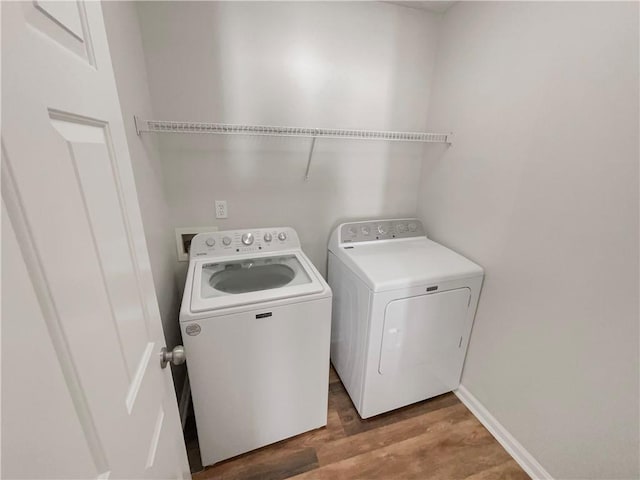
183,239
221,209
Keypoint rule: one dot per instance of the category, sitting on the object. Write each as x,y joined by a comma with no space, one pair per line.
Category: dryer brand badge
193,329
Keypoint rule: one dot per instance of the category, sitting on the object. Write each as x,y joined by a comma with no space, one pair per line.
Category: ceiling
432,6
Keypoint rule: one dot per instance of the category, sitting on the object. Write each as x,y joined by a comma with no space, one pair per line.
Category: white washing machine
403,308
255,320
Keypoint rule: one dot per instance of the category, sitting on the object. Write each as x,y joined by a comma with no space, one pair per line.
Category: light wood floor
435,439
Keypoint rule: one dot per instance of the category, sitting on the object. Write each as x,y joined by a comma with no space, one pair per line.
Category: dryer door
426,331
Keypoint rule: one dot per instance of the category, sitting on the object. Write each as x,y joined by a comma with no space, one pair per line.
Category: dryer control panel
240,242
372,230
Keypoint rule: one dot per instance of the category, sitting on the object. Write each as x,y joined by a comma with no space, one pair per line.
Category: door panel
424,331
96,172
64,22
30,345
69,189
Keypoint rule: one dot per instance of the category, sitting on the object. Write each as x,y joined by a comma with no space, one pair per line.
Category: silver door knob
175,356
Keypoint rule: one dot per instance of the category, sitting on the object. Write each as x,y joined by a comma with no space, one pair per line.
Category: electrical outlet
221,209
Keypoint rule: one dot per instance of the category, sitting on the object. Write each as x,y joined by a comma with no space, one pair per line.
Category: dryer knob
267,237
226,241
210,242
401,227
413,227
382,229
247,238
282,236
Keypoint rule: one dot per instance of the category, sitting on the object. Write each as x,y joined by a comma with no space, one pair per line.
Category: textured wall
317,64
541,189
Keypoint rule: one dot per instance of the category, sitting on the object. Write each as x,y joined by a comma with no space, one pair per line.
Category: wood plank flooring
435,439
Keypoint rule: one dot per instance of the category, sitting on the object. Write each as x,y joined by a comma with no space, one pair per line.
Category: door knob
175,356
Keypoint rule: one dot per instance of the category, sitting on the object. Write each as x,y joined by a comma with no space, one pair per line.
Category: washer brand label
193,329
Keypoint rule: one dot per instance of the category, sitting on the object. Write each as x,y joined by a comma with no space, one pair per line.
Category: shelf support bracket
313,144
135,122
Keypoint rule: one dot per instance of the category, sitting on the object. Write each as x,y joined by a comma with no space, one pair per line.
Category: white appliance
255,320
403,309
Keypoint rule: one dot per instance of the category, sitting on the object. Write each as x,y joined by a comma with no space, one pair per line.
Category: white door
83,393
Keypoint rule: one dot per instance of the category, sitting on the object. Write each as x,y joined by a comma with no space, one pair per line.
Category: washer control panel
240,242
373,230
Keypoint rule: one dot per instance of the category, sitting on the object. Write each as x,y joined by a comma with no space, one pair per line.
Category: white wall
541,188
343,65
125,44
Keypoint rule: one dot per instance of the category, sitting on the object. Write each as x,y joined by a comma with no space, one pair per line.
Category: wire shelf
164,126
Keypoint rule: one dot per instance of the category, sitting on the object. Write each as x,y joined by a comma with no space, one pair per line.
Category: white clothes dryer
255,321
403,308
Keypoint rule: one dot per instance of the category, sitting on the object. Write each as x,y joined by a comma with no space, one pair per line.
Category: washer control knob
352,230
366,230
247,238
267,237
413,227
382,229
226,241
210,242
401,227
282,236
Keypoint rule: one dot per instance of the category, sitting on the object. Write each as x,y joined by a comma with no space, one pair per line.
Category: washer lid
393,264
233,281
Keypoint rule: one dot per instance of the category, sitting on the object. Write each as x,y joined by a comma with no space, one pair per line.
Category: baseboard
183,403
528,463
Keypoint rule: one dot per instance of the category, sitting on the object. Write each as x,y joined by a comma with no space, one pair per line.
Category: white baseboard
528,463
183,403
